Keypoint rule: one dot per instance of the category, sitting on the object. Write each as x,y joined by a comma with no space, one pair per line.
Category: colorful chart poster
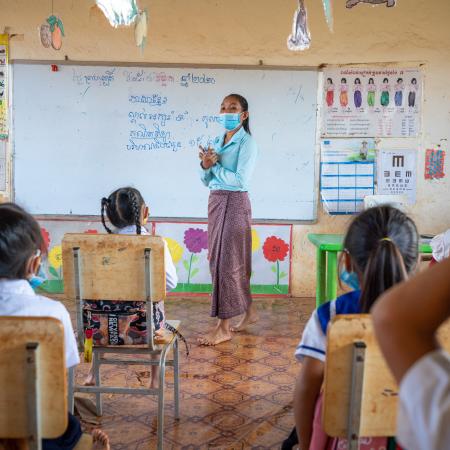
372,102
2,166
397,173
434,164
347,174
3,86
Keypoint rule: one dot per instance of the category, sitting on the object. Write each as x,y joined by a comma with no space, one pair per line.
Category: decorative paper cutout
434,164
45,35
52,32
300,39
352,3
140,30
328,10
119,12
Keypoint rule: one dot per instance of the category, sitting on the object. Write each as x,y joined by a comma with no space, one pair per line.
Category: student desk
328,246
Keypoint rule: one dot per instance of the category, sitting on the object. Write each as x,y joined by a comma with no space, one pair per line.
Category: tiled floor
233,396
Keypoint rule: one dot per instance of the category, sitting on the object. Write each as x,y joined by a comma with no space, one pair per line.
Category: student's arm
171,271
307,390
407,317
70,343
244,169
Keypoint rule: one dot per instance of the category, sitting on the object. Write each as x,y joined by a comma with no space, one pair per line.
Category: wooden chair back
16,377
112,266
379,393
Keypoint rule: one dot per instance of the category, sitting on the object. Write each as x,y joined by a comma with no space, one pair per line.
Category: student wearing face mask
226,169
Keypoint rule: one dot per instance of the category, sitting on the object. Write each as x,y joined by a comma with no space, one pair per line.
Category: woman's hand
208,157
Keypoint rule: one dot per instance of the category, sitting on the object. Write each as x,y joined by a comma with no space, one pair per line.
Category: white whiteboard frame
260,66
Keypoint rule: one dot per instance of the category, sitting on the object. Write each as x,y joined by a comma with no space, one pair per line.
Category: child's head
414,81
124,207
343,80
385,80
357,81
399,80
21,243
371,81
329,81
381,246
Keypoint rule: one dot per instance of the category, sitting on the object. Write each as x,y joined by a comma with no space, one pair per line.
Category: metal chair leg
176,378
98,395
70,393
162,374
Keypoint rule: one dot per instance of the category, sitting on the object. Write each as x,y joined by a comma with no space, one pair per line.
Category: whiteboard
83,131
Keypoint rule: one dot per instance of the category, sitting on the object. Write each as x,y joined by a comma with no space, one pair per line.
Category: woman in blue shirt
226,169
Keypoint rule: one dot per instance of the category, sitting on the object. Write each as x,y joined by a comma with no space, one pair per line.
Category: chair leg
98,395
162,374
176,378
70,393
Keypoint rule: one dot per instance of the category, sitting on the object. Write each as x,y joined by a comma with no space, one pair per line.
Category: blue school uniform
314,338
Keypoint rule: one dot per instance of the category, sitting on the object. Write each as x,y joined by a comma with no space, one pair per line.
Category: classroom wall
255,31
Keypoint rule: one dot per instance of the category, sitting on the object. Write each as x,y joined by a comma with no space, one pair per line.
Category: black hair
244,105
371,79
385,80
343,80
399,80
414,80
20,238
383,245
123,207
330,80
357,80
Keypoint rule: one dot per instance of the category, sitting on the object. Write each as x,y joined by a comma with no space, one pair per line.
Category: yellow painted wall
247,31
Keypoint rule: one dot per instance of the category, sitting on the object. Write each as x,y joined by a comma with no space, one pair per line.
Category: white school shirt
423,418
314,337
171,272
17,298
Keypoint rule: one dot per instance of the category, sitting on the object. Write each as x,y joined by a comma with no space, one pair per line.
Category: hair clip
386,239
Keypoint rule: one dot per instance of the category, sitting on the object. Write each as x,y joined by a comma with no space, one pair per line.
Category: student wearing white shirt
406,319
20,250
20,257
126,210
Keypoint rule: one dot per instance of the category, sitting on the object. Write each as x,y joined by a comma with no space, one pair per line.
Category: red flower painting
46,238
276,250
91,232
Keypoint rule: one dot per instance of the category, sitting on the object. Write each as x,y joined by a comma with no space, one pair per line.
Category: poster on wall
397,173
3,86
434,164
382,102
347,174
2,166
188,246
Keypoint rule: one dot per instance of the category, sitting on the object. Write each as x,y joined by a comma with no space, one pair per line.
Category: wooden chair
33,394
360,393
128,268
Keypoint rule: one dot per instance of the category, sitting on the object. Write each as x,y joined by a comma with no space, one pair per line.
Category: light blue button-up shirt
237,159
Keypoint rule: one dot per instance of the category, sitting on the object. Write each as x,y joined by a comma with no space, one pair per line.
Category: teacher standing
226,169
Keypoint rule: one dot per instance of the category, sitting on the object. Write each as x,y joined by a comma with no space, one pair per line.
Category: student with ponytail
127,212
380,250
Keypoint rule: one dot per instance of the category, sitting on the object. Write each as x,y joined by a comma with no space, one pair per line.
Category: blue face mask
350,279
230,121
37,280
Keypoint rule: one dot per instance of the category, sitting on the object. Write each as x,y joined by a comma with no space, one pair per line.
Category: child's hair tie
386,239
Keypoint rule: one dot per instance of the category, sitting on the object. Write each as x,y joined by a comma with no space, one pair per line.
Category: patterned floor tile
235,396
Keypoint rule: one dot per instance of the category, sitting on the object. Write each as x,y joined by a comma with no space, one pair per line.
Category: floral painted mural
188,246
